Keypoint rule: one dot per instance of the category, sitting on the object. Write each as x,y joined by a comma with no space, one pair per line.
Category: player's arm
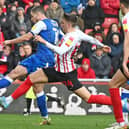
25,37
89,39
36,29
126,53
66,45
92,40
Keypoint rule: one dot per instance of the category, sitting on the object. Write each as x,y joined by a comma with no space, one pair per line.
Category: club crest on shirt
125,26
33,28
69,42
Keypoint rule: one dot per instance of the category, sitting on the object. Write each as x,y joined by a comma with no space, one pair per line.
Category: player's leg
124,97
17,72
89,98
34,78
28,106
118,80
42,103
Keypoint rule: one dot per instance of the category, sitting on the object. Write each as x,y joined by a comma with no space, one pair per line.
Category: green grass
18,121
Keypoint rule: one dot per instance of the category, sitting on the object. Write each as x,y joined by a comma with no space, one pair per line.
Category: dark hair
74,19
125,2
38,9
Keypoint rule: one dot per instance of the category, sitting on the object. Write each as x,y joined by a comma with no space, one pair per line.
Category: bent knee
112,84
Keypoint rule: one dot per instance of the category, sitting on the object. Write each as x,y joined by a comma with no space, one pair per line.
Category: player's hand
106,49
39,39
6,42
125,68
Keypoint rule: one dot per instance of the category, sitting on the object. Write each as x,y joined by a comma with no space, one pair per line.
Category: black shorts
69,79
122,70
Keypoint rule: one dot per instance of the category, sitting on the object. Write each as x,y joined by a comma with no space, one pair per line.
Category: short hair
38,9
125,2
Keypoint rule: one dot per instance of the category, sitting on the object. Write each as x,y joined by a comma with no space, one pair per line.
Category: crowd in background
102,19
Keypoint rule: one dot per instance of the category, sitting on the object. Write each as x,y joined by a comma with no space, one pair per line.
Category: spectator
55,11
4,24
85,71
11,12
27,49
98,30
20,55
22,30
20,20
35,3
110,7
111,11
92,14
2,4
69,5
7,51
113,28
116,45
3,64
100,36
101,63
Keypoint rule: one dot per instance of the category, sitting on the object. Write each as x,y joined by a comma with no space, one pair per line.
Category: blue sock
124,96
5,82
42,104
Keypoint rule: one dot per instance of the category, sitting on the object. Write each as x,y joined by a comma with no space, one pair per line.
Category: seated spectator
35,3
20,20
22,30
55,11
111,11
110,7
85,71
116,45
27,49
4,24
112,29
8,58
92,14
99,35
11,13
69,5
101,63
3,5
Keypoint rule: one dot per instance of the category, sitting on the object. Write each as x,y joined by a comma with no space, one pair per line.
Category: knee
112,85
37,89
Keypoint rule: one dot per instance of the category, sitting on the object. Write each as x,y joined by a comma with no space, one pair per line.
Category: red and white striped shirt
67,49
125,22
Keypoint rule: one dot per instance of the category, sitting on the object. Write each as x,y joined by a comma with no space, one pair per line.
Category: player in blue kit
44,57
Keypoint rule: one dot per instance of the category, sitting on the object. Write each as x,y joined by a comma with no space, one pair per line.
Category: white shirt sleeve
85,37
38,27
66,46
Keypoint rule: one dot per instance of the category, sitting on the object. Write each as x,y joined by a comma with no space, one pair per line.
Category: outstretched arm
35,30
92,40
25,37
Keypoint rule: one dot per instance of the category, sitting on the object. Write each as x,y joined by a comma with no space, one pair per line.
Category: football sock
5,82
100,99
22,89
117,105
124,95
42,104
28,103
9,100
125,115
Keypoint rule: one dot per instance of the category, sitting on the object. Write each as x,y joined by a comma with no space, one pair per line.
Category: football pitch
18,121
